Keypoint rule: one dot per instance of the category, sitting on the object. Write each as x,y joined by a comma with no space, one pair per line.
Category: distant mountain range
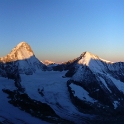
48,62
85,90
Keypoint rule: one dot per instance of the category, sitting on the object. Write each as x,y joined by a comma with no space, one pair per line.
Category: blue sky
60,30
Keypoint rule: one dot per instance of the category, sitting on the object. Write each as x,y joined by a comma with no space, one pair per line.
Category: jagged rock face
23,57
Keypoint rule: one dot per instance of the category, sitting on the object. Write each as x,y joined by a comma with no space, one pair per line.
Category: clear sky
60,30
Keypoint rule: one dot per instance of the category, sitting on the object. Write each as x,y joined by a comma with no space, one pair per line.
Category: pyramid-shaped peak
86,58
21,46
23,42
89,55
20,52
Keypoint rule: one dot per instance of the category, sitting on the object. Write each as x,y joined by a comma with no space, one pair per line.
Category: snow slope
54,93
81,93
9,113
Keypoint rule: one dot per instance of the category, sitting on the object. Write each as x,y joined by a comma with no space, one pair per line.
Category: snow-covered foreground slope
10,114
51,88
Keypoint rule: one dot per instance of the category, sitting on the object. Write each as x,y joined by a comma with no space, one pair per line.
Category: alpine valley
85,90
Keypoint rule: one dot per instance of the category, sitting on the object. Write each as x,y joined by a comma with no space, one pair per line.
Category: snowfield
9,113
81,93
54,92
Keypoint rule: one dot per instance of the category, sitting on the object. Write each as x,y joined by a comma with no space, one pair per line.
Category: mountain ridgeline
94,86
23,58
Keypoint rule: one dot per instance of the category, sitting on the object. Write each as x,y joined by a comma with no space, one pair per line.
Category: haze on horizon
60,30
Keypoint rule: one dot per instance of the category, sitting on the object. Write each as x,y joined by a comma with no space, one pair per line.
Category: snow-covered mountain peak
20,52
48,62
93,62
89,55
21,43
86,57
23,57
24,44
